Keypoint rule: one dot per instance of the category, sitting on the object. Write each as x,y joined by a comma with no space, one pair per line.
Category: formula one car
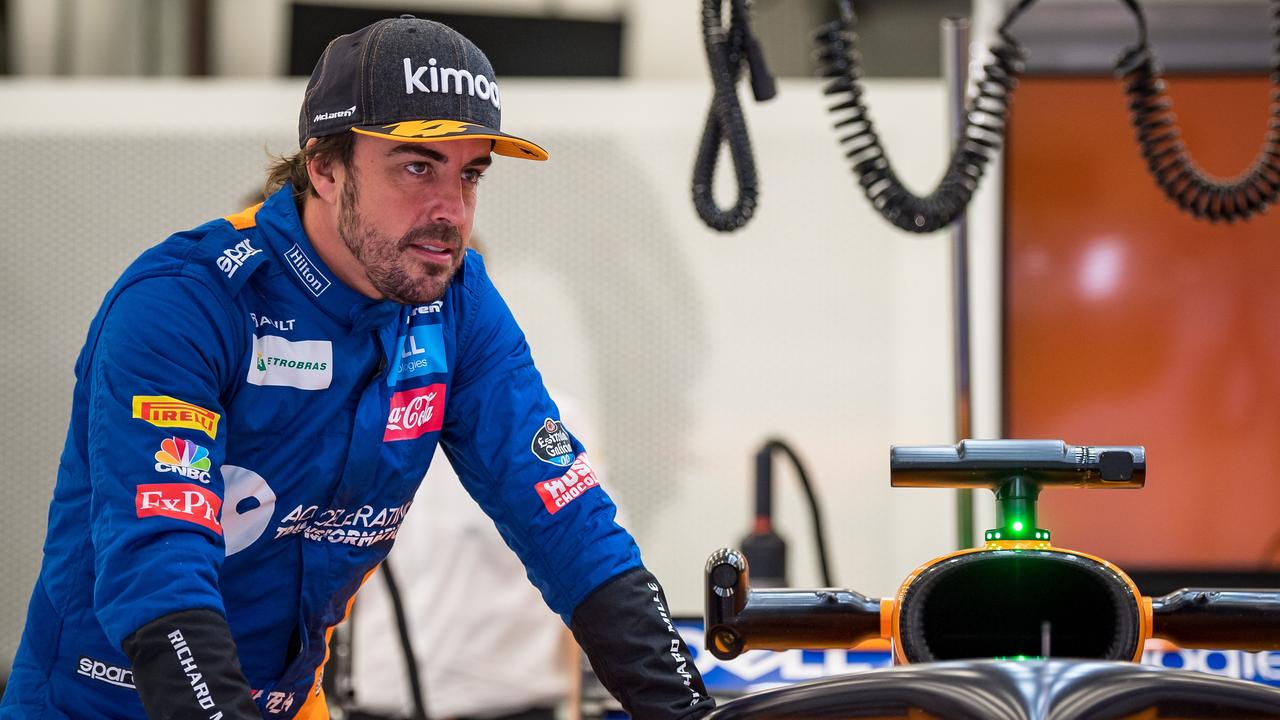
1015,628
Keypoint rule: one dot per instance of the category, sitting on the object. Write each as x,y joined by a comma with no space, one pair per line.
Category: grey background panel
77,209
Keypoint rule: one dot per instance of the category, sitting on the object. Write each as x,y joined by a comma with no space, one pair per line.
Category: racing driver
258,399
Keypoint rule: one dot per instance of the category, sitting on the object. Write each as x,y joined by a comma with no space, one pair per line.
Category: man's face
406,211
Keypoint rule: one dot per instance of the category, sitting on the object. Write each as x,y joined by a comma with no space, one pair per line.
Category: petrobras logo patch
179,501
432,79
551,444
233,258
184,458
421,351
559,492
314,280
302,364
165,411
415,412
102,672
335,115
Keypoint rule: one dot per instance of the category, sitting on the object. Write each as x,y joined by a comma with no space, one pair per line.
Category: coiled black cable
1167,158
727,51
983,133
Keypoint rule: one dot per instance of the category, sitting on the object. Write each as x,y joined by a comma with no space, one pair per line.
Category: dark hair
293,168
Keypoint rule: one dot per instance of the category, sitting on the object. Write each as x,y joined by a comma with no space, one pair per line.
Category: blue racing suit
246,435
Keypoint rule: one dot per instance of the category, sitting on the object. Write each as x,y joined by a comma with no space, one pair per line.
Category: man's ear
325,174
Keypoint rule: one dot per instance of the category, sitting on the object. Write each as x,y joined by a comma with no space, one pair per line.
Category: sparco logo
477,85
335,115
112,674
232,258
414,412
315,280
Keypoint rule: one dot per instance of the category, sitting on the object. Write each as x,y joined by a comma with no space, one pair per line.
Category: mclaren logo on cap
440,77
334,115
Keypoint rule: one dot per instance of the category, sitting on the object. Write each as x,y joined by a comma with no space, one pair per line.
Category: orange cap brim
442,130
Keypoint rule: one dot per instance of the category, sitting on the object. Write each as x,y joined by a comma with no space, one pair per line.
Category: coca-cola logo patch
552,445
558,492
415,412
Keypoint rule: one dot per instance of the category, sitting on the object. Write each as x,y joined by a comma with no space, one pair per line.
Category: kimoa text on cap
477,85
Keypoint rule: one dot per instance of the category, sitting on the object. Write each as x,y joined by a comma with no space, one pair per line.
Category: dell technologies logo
477,85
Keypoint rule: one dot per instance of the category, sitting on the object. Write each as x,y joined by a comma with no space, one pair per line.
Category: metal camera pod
1014,597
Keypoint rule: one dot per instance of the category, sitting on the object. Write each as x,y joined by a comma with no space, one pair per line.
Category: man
259,397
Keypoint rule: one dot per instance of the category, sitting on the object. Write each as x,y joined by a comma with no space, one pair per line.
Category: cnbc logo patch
183,457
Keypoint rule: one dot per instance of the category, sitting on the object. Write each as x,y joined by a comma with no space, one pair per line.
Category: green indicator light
997,536
1017,526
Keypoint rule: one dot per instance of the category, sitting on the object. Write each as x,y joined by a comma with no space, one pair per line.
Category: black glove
185,667
625,628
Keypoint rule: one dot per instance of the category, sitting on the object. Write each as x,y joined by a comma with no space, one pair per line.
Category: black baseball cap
410,80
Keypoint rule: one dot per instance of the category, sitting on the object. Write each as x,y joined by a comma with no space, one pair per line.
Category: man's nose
448,203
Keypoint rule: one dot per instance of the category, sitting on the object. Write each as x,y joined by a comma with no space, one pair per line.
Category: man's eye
417,168
472,175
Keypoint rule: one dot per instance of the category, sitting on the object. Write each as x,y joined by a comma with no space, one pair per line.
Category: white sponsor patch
234,257
306,270
112,674
304,364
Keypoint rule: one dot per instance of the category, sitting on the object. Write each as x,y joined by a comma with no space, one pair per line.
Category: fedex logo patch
180,501
565,489
415,412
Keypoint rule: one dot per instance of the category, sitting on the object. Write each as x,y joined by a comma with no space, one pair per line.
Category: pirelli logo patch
165,411
559,492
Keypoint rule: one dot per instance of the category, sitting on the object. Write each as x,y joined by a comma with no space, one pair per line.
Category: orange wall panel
1129,322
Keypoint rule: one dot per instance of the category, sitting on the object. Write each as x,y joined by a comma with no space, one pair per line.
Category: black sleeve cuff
185,666
626,630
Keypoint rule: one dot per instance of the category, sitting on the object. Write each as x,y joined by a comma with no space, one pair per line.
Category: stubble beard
388,263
